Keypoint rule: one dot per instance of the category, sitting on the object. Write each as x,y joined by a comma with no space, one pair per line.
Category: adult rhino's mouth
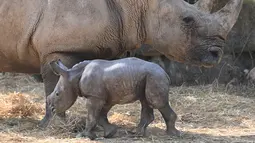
200,56
208,65
206,56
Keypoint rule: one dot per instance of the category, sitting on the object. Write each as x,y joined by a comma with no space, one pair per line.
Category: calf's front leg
109,129
94,106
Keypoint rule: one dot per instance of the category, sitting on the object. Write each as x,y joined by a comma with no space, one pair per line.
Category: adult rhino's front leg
50,80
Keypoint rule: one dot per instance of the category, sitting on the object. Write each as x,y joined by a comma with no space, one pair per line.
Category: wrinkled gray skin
107,83
36,32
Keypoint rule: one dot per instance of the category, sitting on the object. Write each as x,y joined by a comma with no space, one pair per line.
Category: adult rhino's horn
227,16
205,5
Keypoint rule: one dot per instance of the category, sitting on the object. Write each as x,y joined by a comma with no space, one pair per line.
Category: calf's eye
57,94
188,20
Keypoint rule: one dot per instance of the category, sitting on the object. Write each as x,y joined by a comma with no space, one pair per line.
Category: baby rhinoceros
107,83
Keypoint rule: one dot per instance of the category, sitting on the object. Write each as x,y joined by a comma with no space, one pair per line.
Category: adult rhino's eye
57,94
189,20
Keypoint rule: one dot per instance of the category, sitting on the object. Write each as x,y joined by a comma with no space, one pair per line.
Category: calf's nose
48,101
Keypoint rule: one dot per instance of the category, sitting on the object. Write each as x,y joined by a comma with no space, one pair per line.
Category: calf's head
64,94
190,33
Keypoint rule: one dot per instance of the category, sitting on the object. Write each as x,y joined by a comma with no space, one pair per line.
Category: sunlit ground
205,114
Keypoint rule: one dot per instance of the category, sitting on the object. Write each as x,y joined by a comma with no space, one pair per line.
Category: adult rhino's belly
14,65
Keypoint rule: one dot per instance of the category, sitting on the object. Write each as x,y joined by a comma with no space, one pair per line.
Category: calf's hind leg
156,94
147,116
170,118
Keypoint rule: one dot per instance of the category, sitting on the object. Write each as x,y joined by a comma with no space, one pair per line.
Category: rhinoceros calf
106,83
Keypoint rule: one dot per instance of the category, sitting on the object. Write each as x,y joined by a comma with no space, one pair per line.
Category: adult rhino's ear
204,5
59,68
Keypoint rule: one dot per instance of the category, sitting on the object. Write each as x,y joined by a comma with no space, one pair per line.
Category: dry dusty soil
205,114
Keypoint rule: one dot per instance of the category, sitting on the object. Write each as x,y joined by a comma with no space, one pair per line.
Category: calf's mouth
53,109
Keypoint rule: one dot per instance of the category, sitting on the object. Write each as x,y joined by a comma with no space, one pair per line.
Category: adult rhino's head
190,33
65,92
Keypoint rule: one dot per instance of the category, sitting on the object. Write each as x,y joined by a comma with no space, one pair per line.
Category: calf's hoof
89,135
139,134
48,118
110,131
136,133
59,120
174,132
44,122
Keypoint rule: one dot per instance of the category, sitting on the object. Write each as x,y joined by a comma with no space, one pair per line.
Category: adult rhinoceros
35,32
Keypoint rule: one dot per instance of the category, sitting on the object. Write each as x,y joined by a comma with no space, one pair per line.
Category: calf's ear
59,68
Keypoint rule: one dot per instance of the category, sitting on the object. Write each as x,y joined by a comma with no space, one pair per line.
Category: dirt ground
205,114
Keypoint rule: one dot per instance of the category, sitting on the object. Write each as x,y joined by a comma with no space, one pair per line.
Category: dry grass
19,105
205,114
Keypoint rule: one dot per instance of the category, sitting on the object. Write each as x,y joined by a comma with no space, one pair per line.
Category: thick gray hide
107,83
